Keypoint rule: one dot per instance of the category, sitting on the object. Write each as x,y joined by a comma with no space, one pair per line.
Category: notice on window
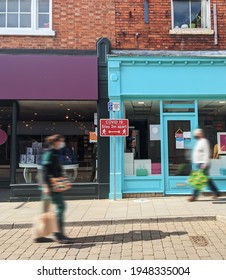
154,132
187,134
180,143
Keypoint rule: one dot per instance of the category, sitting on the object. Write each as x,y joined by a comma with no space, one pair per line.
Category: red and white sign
118,127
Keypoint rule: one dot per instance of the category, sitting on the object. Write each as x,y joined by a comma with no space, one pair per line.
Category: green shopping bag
141,172
198,180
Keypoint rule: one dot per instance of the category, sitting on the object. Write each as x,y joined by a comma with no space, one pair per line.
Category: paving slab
105,211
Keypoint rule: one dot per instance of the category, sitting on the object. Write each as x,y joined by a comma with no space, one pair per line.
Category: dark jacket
51,166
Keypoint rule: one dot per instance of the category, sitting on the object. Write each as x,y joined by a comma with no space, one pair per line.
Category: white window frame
33,30
196,31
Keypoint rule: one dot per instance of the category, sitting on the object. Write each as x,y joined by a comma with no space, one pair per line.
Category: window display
142,156
78,157
74,120
33,154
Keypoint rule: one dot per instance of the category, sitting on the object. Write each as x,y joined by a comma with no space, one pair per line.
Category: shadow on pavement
219,202
131,236
213,200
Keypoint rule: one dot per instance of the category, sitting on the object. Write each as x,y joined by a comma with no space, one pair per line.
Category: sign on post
114,127
114,106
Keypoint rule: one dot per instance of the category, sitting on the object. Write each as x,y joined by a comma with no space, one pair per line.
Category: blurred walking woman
52,168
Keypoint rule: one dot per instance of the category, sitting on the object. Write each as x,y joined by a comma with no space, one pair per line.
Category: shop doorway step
31,192
141,195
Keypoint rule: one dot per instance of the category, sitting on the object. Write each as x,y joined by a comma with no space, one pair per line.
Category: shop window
212,116
193,15
182,106
5,141
74,120
26,17
142,155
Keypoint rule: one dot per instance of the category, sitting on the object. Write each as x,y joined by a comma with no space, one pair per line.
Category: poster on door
179,136
179,143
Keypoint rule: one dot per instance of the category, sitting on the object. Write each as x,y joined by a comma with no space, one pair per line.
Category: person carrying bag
201,161
54,184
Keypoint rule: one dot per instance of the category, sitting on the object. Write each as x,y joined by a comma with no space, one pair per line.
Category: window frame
34,30
196,31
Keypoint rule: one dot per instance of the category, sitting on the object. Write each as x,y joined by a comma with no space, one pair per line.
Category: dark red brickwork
155,34
79,24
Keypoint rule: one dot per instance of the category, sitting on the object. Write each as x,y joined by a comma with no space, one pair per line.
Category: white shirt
201,152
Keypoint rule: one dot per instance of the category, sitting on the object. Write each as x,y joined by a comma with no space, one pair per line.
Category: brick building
53,63
129,24
150,25
167,70
49,77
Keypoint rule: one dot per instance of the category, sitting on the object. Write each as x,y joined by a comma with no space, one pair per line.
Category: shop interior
142,153
75,120
36,120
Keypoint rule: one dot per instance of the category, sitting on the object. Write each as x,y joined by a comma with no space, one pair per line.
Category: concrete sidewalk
104,211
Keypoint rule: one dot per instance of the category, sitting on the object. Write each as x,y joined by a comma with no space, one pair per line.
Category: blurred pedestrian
201,160
51,168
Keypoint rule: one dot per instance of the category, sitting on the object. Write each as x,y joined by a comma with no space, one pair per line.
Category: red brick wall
78,25
155,35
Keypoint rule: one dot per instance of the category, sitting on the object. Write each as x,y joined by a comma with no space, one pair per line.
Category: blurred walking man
201,160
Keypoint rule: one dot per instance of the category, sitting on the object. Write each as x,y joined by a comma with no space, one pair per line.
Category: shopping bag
198,179
45,223
141,172
60,184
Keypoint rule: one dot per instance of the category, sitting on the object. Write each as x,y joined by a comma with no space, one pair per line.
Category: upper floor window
191,14
26,17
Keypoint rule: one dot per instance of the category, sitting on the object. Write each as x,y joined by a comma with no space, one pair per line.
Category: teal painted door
177,148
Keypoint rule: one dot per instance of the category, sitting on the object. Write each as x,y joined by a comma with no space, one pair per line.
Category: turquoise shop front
165,98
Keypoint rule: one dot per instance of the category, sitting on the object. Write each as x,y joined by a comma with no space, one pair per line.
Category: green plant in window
196,23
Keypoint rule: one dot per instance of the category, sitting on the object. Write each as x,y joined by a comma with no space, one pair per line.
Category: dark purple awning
48,77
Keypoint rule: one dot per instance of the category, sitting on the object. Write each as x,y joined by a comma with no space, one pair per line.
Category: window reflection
2,20
43,6
25,21
12,20
13,6
43,21
25,5
2,6
43,14
19,13
187,14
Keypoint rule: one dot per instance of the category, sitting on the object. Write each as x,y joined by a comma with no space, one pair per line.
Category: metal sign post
114,128
115,107
114,141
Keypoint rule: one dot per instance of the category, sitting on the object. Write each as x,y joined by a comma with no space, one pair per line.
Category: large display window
212,116
74,120
142,154
142,149
5,142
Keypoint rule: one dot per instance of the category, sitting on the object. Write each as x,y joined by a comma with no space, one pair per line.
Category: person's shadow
131,236
219,201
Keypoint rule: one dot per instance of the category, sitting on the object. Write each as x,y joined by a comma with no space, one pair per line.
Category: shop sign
114,127
92,137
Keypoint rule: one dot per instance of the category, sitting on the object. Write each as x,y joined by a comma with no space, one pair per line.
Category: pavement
150,228
105,211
